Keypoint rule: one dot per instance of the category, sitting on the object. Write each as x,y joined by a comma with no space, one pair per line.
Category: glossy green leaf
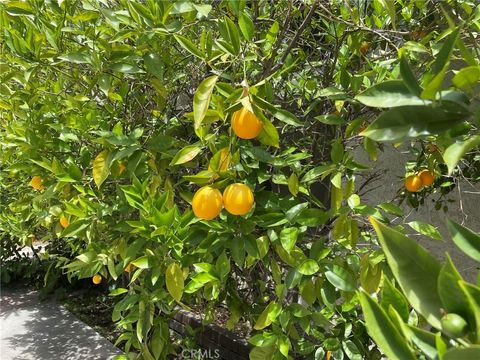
425,229
269,314
408,77
455,152
452,296
341,278
189,46
288,238
269,134
201,99
389,94
383,331
467,78
188,153
465,239
308,267
412,121
391,296
247,27
470,353
445,52
415,269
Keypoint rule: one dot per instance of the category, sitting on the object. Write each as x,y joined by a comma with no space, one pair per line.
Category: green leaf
431,89
467,78
101,170
19,8
268,316
201,99
312,217
141,262
293,184
269,134
445,52
154,64
174,281
425,229
308,267
188,153
454,153
262,353
425,340
408,77
472,293
126,68
391,296
465,239
77,58
246,26
118,291
189,46
288,238
389,94
74,228
390,6
341,278
470,353
415,270
383,331
450,292
412,122
331,119
280,114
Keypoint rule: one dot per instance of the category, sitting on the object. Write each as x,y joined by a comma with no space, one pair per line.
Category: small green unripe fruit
454,325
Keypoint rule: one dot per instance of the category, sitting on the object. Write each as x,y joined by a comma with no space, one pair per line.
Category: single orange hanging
97,279
37,183
64,222
413,183
427,177
238,199
207,203
245,124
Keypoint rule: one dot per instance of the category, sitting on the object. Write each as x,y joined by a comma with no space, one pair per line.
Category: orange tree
114,114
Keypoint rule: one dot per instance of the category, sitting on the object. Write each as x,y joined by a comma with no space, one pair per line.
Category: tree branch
292,44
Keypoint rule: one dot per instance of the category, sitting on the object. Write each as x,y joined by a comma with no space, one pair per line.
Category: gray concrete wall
465,209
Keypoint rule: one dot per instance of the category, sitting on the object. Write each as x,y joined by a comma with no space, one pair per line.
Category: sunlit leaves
101,168
174,281
201,99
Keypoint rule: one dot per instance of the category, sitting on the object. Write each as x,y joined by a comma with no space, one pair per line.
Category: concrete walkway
34,330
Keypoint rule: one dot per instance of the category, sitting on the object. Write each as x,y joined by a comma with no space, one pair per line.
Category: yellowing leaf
174,281
100,168
267,316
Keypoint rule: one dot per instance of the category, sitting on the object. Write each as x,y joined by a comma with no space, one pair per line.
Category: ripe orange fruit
364,47
245,124
413,183
37,183
97,279
207,203
238,199
64,222
224,162
121,168
329,355
427,177
130,267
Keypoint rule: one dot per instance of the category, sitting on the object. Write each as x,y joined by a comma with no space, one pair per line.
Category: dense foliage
113,113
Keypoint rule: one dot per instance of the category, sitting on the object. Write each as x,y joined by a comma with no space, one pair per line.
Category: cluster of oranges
208,202
237,198
416,182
